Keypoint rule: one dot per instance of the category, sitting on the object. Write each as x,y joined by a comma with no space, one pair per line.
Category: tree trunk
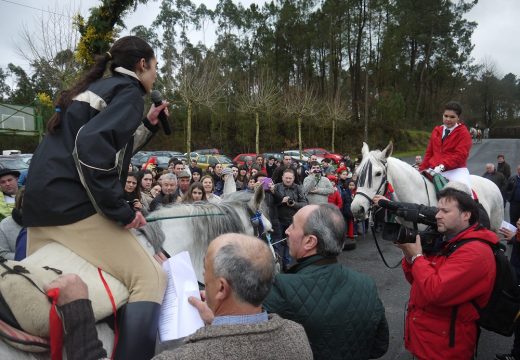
257,137
188,132
333,133
300,147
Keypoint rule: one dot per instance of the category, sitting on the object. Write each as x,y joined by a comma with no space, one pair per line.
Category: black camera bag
503,308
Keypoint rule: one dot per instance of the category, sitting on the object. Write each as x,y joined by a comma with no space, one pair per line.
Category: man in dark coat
513,196
323,295
497,177
503,167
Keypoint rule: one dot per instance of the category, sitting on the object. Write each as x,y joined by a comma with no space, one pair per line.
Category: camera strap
373,229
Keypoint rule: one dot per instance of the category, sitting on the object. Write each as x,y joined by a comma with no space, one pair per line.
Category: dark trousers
282,248
514,212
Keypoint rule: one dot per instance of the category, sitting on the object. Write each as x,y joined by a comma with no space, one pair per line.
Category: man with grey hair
338,307
238,274
169,192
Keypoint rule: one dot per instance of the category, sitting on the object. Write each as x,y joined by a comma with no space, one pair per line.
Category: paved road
392,286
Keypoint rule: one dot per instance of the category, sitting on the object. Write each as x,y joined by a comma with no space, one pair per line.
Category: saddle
24,308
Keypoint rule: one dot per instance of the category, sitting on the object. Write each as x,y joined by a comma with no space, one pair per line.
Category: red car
239,159
321,152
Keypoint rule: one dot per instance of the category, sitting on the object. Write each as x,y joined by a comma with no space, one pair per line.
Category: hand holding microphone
163,115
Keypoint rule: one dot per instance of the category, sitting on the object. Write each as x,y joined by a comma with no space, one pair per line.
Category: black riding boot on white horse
137,330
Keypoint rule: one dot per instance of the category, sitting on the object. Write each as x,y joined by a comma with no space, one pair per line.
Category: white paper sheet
178,318
508,226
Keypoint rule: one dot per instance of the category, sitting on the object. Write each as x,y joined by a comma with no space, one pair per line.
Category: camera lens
406,235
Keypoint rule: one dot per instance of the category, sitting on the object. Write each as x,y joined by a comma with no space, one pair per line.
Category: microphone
157,101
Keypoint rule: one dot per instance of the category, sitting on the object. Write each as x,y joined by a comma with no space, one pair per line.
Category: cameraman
441,319
288,199
317,187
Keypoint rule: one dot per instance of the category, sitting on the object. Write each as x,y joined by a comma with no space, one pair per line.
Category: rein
152,219
371,224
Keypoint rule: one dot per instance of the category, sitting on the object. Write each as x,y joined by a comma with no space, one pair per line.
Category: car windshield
15,164
224,159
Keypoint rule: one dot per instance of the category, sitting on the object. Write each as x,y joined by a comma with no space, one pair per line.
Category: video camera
417,214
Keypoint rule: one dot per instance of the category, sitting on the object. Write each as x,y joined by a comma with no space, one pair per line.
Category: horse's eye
378,173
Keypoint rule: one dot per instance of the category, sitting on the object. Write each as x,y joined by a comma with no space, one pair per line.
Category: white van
11,152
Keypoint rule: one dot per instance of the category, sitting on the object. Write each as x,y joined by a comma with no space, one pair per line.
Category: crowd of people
315,308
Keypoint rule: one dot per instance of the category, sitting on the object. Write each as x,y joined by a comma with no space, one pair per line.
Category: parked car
240,158
12,162
278,156
207,151
295,154
203,161
139,158
26,158
321,152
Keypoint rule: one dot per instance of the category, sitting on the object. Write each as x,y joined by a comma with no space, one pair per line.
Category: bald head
246,263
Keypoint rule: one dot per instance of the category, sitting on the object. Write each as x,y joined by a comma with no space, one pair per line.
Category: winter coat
295,193
440,283
81,168
505,169
453,152
339,308
274,339
346,197
5,208
323,188
335,198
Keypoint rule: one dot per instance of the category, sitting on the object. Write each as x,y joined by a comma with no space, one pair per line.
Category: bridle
383,185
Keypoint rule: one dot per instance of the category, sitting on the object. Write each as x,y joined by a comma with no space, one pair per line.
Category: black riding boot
138,331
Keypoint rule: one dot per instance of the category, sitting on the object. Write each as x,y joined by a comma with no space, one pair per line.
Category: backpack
503,308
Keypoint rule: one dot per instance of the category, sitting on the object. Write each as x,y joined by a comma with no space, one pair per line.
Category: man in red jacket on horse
449,147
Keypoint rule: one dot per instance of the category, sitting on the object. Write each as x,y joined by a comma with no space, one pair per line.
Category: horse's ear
365,150
257,198
230,185
387,152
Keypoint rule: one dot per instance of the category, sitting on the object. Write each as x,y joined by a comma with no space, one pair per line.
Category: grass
412,142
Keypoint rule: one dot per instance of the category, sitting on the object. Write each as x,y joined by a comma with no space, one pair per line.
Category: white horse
378,168
174,228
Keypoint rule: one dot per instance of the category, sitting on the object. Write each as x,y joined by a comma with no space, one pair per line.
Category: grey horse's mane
208,221
153,233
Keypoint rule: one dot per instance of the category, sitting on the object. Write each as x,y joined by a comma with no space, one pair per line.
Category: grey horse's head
371,176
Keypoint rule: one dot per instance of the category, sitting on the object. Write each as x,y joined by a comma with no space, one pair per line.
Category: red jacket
438,284
335,198
452,153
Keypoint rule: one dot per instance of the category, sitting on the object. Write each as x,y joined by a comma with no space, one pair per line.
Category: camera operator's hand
411,249
376,199
315,190
285,199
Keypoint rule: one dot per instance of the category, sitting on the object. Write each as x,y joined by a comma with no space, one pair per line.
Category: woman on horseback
449,146
75,186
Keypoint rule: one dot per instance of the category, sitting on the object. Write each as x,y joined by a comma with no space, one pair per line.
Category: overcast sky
496,38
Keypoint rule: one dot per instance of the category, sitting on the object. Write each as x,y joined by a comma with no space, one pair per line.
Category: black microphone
157,101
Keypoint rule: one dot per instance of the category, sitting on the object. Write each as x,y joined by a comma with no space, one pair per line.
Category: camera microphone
157,101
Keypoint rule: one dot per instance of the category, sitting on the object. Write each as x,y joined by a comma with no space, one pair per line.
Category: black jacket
81,168
295,193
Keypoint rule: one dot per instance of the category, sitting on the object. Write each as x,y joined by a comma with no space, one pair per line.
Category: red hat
332,178
341,169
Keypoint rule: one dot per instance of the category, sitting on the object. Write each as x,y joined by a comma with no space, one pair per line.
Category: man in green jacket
8,189
339,308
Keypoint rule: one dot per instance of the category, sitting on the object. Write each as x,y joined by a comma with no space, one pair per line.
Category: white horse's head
372,179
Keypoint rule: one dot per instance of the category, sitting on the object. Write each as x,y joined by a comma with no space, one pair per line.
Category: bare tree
199,84
301,102
335,111
50,48
258,95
